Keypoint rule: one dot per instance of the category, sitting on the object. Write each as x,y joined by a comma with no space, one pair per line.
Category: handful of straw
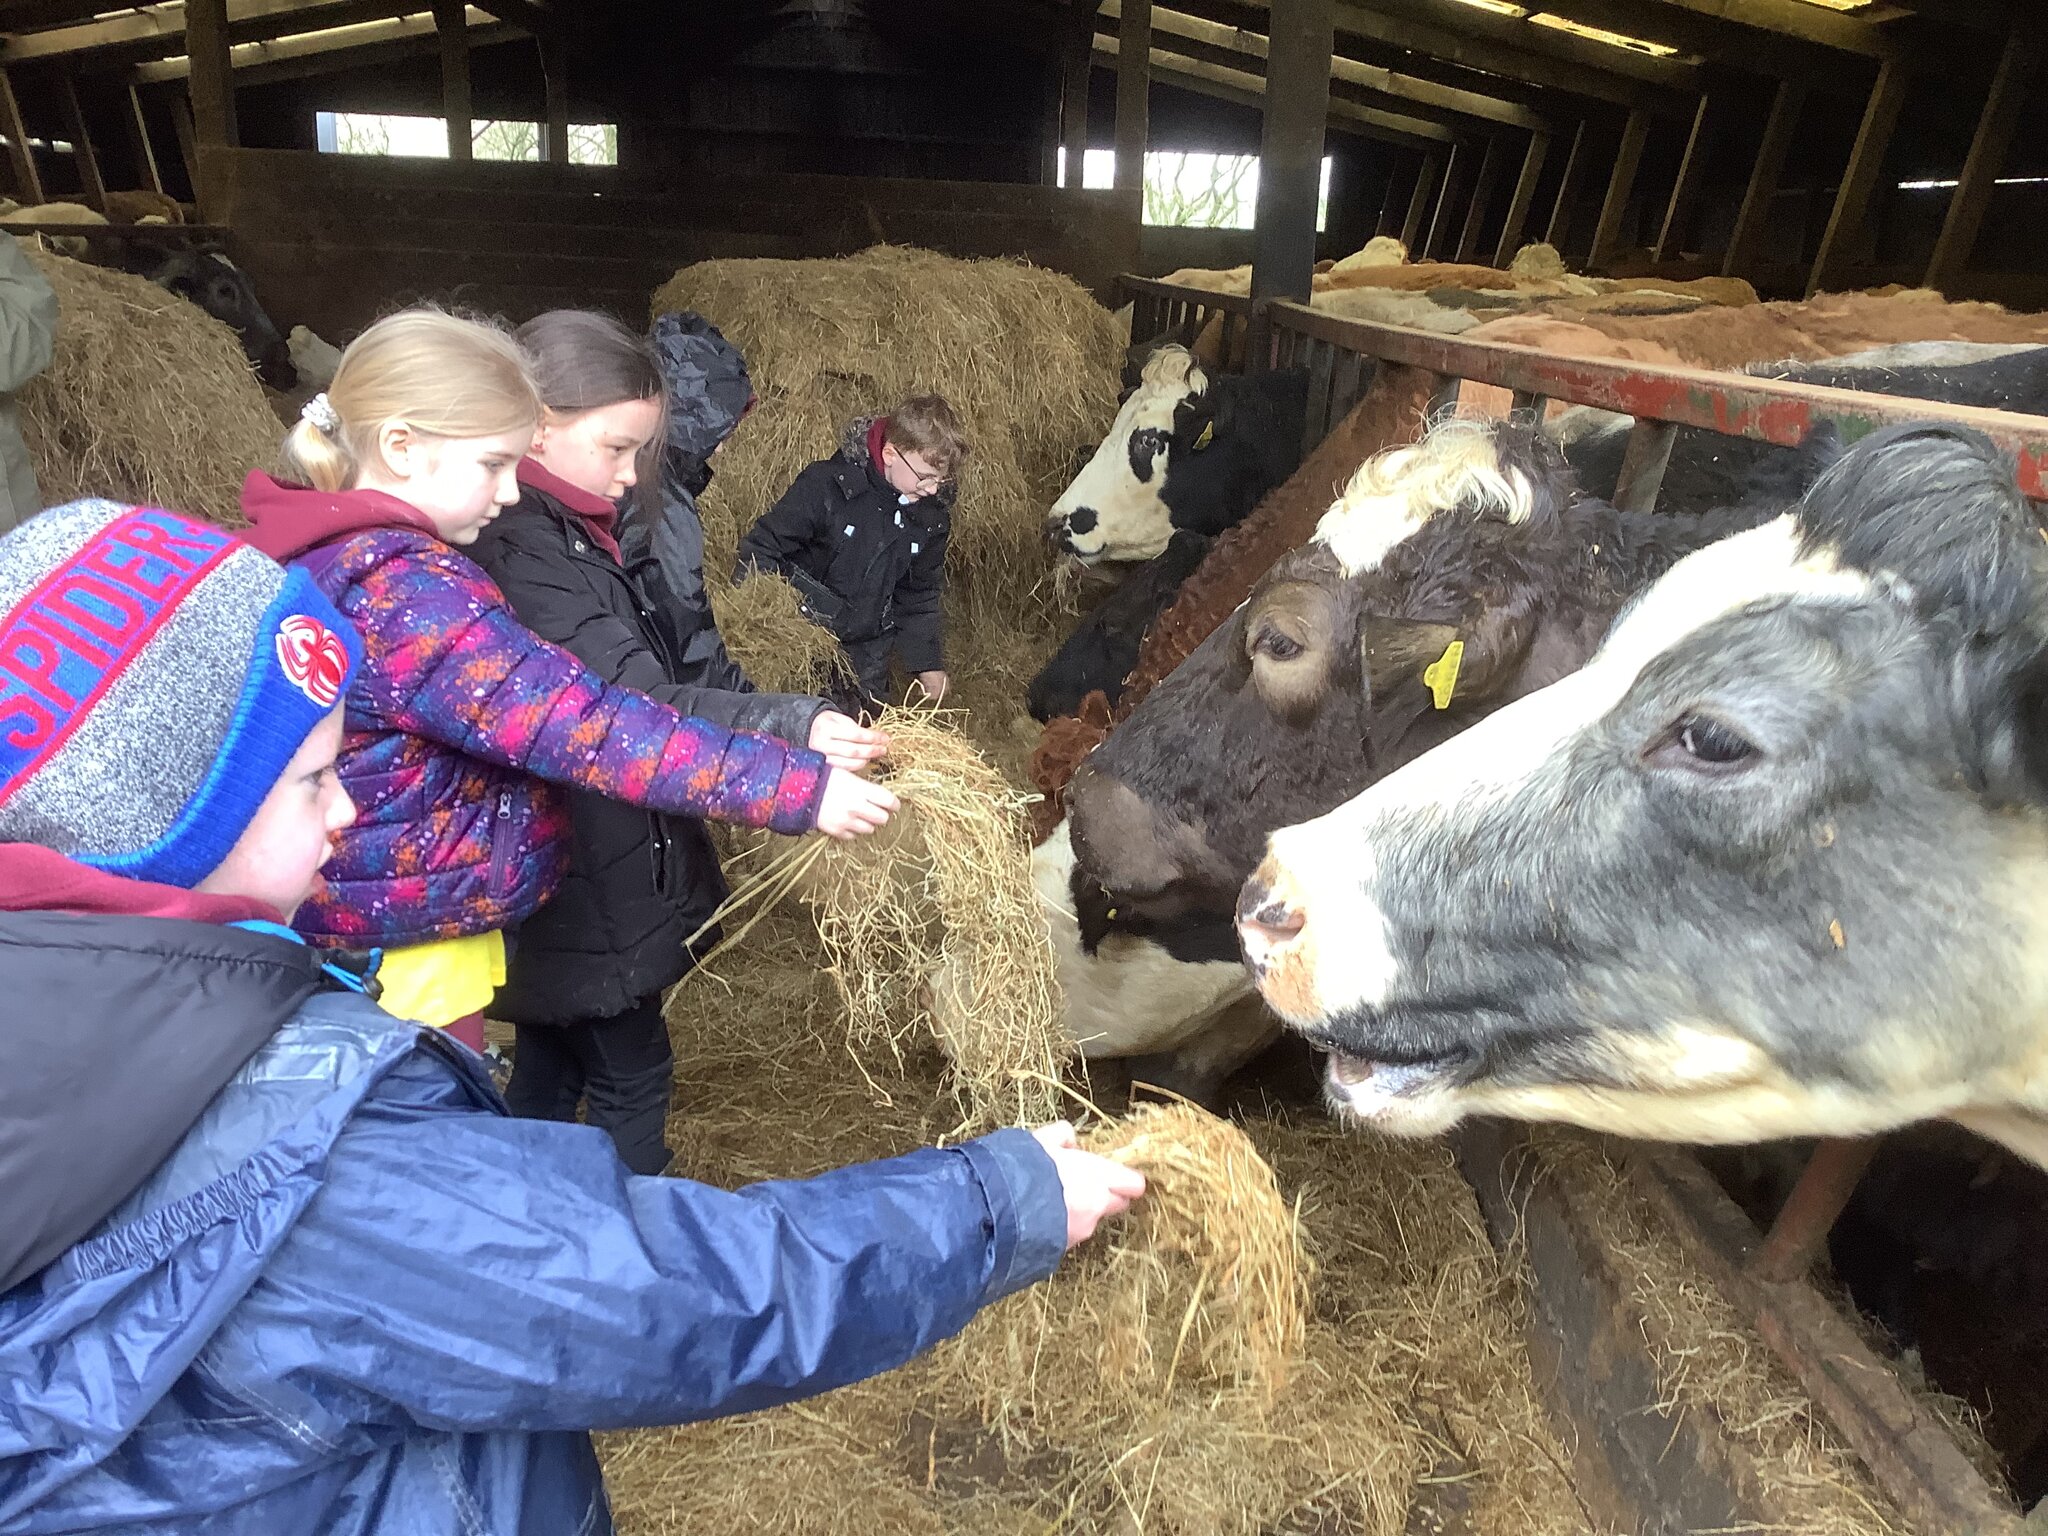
1213,1227
933,926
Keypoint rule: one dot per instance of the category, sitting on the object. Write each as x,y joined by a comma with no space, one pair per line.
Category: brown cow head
1450,578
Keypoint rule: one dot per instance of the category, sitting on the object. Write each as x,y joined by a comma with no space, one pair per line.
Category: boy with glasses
862,537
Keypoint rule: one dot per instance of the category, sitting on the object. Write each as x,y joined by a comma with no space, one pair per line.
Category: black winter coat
639,882
869,567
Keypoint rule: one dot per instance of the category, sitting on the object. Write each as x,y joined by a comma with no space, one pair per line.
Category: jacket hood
708,390
120,1031
857,442
287,520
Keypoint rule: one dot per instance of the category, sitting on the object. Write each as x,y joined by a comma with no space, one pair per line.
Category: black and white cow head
1186,454
1775,862
208,279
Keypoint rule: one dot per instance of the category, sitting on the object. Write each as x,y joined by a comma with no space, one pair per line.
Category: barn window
394,133
1193,189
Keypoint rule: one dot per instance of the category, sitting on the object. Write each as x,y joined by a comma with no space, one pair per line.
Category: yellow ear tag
1441,675
1208,436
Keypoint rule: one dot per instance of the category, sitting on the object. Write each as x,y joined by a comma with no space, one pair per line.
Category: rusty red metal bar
1801,1229
1735,404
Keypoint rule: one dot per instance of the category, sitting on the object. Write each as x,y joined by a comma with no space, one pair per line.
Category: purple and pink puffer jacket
461,723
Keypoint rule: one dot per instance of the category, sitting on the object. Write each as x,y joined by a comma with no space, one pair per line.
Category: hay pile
147,399
762,623
1027,358
932,928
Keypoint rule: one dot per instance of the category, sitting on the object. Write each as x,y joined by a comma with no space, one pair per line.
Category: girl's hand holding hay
846,743
852,807
1094,1186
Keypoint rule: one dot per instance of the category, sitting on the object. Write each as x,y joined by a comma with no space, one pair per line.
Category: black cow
1101,653
208,279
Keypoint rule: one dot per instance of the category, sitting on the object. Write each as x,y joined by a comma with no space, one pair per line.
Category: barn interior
514,156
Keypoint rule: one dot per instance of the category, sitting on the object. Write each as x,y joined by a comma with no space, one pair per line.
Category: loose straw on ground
147,399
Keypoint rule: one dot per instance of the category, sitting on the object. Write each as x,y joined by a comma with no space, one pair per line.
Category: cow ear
1392,651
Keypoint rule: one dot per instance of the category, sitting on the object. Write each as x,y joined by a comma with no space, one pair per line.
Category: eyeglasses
924,480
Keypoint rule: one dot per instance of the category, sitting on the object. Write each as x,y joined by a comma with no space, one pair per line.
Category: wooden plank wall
332,241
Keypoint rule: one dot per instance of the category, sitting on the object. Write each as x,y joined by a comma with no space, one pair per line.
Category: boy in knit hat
245,1214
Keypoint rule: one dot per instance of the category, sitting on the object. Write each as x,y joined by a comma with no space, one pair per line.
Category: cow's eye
1700,742
1278,644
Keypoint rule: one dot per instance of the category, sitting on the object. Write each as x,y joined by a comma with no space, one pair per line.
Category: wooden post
1628,158
1391,205
1133,90
212,81
1746,242
1426,174
139,147
2017,67
1297,104
188,139
554,66
1482,194
1080,71
1525,196
451,29
1440,216
92,186
1567,190
1859,180
1685,191
21,160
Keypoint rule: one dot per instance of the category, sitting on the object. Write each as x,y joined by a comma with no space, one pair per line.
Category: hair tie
321,413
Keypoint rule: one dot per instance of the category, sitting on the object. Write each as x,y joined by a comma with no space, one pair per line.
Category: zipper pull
504,805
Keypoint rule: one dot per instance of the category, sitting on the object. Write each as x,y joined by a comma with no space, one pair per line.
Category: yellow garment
441,982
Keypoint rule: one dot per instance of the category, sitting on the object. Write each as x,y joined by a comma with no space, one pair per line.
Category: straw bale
1030,361
932,927
147,398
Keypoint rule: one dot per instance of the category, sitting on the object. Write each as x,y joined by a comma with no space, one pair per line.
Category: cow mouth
1369,1086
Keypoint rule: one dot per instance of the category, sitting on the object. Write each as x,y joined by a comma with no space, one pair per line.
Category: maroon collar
287,520
598,516
38,879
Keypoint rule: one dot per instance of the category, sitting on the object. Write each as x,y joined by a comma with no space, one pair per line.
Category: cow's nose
1081,520
1268,920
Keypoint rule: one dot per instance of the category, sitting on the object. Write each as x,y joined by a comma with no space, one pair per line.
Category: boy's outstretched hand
1094,1186
852,807
846,743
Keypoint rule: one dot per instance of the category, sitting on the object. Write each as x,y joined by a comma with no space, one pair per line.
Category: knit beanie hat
156,676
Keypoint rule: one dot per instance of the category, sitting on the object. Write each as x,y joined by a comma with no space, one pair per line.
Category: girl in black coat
626,595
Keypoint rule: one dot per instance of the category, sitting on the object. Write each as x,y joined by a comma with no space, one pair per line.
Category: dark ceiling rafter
1352,79
125,43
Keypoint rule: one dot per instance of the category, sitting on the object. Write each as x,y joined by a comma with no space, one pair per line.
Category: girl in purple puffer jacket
461,723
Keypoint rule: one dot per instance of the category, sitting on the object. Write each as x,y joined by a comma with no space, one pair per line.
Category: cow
207,278
1100,653
1335,671
1706,468
1186,451
1773,863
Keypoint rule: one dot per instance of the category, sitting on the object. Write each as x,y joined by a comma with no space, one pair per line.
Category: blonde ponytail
441,374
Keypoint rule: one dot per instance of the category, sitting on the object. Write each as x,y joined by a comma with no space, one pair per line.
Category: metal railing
1911,1454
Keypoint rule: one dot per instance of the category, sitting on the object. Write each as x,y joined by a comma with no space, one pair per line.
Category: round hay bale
147,398
1029,361
1539,260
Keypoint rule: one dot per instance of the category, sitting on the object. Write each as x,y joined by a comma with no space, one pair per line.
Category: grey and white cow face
1774,863
1114,509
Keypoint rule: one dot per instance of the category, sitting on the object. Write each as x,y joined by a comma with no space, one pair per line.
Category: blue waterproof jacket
356,1297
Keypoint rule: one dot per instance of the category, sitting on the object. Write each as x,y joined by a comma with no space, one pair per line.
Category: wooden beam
1440,216
554,68
1291,150
1479,39
212,81
1074,88
1133,90
2017,67
1524,198
1707,29
533,17
1427,171
1691,172
1199,74
1388,223
1745,244
188,140
261,59
158,32
1859,179
139,147
92,187
1482,194
1814,24
1560,226
1628,158
21,160
451,28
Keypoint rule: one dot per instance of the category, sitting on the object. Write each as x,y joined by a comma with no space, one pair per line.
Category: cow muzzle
1069,529
1273,935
